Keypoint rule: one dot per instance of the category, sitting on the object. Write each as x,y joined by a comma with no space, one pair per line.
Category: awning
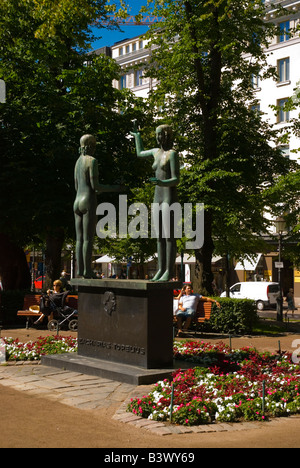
248,264
190,259
186,259
105,259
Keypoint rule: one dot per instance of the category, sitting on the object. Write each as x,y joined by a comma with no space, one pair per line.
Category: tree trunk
227,269
141,269
14,269
54,244
203,274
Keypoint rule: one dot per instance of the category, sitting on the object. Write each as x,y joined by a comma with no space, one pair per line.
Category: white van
263,293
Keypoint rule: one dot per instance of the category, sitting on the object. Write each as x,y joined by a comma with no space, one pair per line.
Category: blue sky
110,37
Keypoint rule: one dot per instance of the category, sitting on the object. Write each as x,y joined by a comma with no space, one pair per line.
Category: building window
123,82
283,115
141,44
127,49
138,77
256,108
134,47
284,34
255,81
285,151
283,68
121,51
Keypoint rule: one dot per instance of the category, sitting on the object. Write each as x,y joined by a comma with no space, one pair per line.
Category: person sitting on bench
188,303
56,296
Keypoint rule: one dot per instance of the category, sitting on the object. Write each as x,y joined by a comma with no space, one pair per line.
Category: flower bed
229,386
33,350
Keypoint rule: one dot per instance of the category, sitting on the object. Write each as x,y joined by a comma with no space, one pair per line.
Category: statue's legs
89,227
170,260
166,244
161,254
79,243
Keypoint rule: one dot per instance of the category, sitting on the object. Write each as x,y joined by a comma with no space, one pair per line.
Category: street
272,312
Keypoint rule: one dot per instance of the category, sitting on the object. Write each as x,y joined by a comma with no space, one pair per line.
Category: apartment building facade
284,55
132,55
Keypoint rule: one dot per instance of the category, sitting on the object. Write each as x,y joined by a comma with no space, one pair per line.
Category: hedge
236,316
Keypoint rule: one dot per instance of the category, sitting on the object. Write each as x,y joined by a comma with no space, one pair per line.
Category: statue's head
87,144
164,135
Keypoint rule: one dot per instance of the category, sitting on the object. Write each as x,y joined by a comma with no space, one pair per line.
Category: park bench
203,313
34,299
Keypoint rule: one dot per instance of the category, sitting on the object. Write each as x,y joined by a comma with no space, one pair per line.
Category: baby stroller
63,315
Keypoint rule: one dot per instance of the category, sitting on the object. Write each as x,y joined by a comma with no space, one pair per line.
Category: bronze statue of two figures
167,174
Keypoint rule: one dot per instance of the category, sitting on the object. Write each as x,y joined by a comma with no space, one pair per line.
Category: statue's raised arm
141,153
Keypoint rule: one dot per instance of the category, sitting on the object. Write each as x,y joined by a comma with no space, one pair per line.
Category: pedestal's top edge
124,284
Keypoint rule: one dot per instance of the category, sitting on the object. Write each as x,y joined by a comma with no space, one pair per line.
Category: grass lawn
271,327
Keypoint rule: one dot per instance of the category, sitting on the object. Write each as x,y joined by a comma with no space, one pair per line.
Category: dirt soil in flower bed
53,424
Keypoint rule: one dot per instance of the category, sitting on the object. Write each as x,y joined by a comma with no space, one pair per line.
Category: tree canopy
204,56
56,92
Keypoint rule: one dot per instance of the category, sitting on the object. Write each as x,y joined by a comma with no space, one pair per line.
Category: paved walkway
70,388
83,392
92,393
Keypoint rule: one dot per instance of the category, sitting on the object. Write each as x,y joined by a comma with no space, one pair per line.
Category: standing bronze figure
167,175
87,187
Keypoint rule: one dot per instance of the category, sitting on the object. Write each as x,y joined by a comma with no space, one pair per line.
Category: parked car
263,293
39,282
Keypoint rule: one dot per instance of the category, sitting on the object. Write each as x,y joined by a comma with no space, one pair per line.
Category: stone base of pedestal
100,368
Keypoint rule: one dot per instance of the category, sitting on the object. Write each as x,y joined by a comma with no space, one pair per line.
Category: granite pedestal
125,330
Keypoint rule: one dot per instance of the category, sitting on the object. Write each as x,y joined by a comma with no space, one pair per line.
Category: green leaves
53,98
237,316
204,84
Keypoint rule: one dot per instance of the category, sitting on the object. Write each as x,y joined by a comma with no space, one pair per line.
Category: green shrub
236,316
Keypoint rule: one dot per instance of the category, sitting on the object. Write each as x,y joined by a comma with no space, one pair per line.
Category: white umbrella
105,259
